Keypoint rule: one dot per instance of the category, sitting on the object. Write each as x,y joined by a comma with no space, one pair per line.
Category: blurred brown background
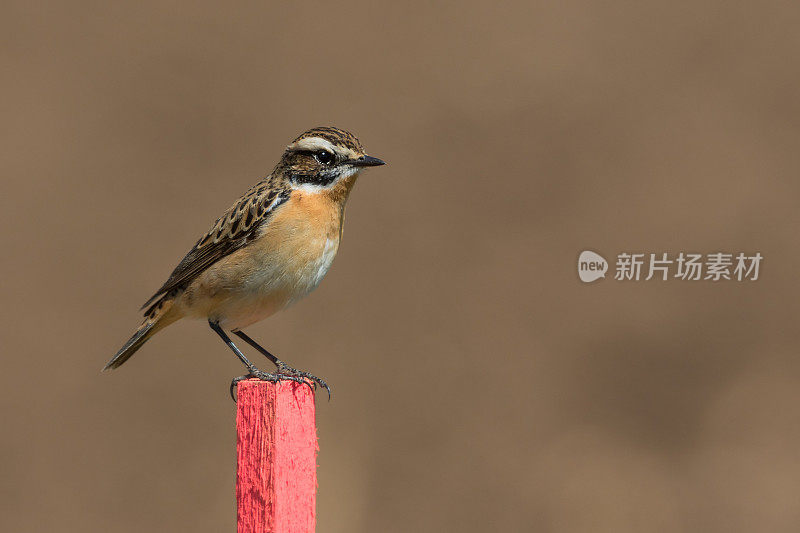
478,385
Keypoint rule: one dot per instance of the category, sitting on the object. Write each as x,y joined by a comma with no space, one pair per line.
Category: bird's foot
283,373
286,370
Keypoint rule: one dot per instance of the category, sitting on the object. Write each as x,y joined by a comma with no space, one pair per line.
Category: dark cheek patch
321,178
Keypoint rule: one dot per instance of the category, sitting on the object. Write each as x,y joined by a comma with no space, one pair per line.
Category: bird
271,248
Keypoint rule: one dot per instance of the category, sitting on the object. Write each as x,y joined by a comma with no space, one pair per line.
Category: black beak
367,161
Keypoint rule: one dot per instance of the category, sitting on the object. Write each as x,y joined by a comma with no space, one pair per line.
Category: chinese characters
716,266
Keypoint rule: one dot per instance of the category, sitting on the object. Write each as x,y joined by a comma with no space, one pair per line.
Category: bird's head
321,158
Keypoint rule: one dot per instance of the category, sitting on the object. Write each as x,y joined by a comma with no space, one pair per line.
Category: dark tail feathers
144,332
159,316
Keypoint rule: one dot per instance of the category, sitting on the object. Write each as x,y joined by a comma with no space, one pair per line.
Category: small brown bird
272,247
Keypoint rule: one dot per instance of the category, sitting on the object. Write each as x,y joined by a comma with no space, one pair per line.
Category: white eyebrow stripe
312,143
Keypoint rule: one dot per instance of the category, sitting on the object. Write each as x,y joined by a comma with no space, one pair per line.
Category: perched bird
269,249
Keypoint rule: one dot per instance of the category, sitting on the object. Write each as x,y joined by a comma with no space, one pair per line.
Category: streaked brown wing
233,230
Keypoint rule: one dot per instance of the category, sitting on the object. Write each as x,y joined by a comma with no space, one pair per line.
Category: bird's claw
283,373
307,377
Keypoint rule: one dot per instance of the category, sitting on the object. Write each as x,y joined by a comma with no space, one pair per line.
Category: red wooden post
276,449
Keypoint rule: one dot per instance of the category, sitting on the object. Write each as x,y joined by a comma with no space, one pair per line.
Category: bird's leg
283,368
277,362
253,371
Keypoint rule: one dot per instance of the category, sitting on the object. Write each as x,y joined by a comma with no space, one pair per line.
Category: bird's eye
324,157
